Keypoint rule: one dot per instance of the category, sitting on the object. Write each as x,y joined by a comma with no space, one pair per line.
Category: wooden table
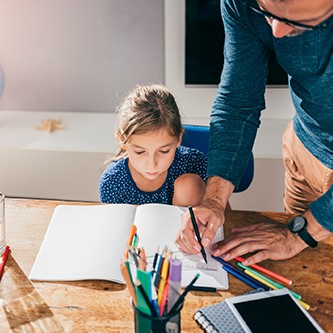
101,306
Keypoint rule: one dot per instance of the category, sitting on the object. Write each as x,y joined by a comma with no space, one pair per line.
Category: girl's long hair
146,109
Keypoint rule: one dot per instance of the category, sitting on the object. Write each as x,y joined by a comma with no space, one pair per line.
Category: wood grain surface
102,306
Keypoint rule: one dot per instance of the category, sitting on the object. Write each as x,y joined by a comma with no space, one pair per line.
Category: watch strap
307,238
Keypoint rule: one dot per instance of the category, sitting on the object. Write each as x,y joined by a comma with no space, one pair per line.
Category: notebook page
158,225
84,242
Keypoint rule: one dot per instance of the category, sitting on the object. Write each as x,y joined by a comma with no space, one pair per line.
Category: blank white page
84,242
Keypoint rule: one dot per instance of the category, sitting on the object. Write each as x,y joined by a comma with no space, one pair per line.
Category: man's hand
267,240
209,215
209,219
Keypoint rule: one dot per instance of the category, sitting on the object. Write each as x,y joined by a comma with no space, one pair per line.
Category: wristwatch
298,227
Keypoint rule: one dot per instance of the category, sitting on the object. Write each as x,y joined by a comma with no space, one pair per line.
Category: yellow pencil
164,275
305,305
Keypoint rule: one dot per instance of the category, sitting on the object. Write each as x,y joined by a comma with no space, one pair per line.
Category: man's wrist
218,192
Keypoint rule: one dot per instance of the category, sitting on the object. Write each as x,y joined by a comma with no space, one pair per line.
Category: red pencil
268,272
3,260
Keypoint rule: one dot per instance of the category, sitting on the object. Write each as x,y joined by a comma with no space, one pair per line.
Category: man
300,32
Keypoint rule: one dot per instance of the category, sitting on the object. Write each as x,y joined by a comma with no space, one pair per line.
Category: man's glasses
294,24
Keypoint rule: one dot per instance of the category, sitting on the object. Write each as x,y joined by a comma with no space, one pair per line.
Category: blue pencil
240,274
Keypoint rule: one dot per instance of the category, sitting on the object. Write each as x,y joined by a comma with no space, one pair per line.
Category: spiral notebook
219,318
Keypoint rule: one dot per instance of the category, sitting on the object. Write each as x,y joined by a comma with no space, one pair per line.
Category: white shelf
82,132
65,164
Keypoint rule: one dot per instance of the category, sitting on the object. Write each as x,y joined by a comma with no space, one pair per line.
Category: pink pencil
268,272
3,260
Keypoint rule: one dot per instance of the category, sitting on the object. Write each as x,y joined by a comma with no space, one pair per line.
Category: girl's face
151,154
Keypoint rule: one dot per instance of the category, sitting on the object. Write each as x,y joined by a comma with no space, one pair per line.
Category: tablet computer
272,311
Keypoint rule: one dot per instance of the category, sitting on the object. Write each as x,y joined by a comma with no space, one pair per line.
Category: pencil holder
146,323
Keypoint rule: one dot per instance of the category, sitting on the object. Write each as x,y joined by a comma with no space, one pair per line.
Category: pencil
3,260
277,285
163,279
256,277
130,238
128,280
240,274
197,233
268,272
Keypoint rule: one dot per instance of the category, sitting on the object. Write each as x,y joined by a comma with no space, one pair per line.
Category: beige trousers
306,178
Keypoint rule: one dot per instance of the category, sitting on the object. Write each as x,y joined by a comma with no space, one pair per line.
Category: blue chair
198,137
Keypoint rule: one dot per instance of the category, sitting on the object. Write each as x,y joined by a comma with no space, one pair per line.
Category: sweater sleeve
322,209
240,98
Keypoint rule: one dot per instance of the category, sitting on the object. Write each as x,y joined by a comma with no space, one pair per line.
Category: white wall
78,55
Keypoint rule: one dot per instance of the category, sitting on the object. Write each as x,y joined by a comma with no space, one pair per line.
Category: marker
197,233
183,295
175,277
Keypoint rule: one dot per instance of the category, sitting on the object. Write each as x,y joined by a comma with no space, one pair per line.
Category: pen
201,288
268,272
240,274
154,298
157,270
182,296
197,233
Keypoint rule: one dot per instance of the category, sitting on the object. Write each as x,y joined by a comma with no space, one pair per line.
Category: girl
150,165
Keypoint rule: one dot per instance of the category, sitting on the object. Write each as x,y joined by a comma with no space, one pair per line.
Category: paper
88,242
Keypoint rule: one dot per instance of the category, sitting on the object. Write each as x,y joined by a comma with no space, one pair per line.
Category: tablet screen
278,313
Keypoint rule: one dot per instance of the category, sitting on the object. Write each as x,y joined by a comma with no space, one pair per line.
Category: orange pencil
267,272
130,238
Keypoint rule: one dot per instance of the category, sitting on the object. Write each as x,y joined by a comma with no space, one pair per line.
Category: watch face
298,223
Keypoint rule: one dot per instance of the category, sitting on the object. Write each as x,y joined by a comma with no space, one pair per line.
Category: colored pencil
277,285
268,272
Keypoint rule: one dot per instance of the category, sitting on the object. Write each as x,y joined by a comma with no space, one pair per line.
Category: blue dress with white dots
116,184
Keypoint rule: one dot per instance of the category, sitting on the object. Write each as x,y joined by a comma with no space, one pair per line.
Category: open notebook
88,242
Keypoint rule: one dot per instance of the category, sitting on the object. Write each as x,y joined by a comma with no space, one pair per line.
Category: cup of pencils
149,322
155,287
156,298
